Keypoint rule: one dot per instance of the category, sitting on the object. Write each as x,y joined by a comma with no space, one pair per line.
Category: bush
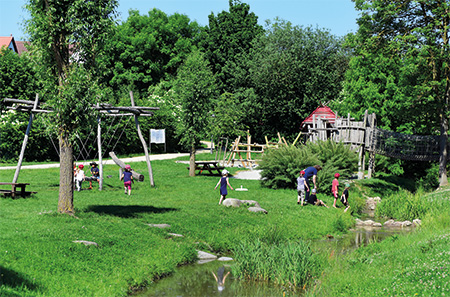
280,167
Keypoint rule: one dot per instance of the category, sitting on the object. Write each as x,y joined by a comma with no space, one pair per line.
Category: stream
199,279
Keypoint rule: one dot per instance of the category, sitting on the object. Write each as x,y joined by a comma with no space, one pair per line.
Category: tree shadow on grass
15,280
126,211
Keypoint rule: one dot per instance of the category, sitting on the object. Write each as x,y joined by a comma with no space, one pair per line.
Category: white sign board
158,136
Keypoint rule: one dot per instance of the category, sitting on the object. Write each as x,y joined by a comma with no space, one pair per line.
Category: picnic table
16,189
208,165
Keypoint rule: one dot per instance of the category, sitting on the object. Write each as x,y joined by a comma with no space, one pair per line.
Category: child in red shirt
335,188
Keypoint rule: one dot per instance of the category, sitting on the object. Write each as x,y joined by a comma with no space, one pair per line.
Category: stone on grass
175,235
257,209
85,242
205,256
251,202
406,224
224,259
161,226
232,202
417,222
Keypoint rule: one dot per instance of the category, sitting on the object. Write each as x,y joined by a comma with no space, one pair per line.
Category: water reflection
196,280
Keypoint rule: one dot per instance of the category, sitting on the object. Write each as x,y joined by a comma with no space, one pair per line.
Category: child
344,197
335,188
301,185
223,182
127,178
313,199
79,176
95,174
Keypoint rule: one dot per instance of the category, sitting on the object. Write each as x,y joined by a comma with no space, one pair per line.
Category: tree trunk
65,201
192,161
443,181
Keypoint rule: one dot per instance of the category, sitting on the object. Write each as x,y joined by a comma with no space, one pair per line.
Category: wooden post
362,155
248,145
371,154
144,145
25,140
99,146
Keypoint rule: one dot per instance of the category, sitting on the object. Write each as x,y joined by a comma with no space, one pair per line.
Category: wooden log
144,144
136,176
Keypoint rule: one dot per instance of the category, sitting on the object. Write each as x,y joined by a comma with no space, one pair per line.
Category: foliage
401,66
147,49
292,70
226,120
280,167
194,89
227,39
17,76
290,264
404,206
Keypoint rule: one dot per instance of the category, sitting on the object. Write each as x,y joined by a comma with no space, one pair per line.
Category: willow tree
67,36
402,66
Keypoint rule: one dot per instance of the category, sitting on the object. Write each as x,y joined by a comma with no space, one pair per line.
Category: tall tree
148,48
228,37
292,70
402,66
194,88
68,36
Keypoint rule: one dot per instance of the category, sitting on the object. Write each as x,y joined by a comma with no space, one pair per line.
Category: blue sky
338,16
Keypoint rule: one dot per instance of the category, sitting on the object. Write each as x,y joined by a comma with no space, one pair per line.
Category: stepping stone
225,259
85,242
175,235
205,256
161,226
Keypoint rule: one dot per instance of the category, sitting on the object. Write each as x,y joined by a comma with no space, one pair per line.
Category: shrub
280,167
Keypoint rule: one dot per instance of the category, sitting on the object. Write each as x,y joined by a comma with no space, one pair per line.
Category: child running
301,185
223,182
335,188
344,197
127,178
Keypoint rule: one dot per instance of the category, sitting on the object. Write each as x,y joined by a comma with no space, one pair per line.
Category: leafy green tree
148,48
226,119
228,37
68,36
292,70
402,67
194,88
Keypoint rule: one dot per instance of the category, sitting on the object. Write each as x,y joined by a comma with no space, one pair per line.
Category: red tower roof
324,112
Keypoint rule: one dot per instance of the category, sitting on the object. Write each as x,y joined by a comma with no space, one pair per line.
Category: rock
389,223
406,223
257,209
417,222
368,223
232,202
224,259
205,256
377,225
85,242
161,226
175,235
359,222
251,202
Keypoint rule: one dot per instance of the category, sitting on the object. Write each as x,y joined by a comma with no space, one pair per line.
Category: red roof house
324,112
9,43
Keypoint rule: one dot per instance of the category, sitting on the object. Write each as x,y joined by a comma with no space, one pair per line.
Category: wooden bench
208,165
16,189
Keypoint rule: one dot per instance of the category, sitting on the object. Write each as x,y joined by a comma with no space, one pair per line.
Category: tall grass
290,264
404,205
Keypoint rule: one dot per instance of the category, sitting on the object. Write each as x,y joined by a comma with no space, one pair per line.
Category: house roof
324,112
7,41
21,46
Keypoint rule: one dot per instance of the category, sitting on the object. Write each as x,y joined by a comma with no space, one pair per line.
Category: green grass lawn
39,258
